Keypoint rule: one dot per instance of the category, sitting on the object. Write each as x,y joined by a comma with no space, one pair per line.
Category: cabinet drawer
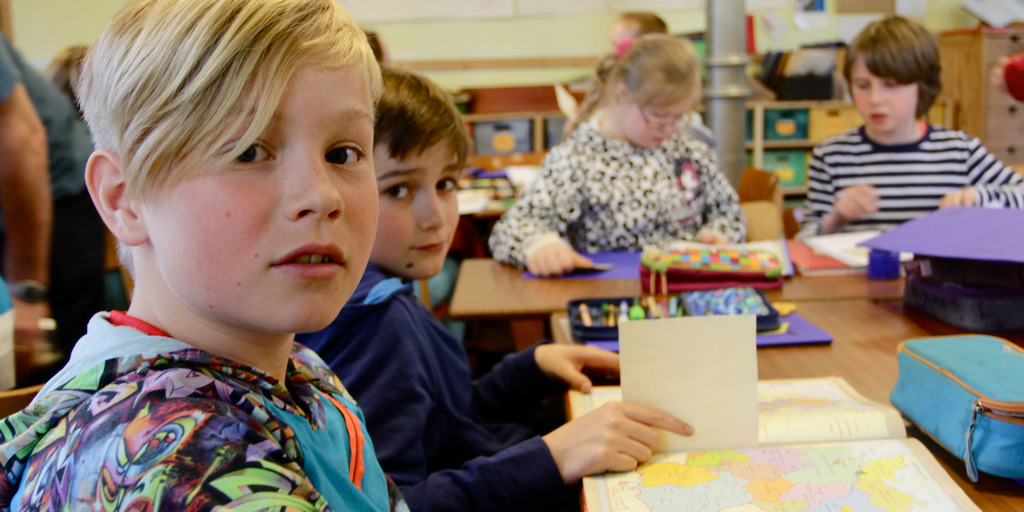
1005,122
999,45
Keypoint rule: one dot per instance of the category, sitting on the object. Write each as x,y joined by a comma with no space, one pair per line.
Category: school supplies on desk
856,450
709,267
811,263
597,319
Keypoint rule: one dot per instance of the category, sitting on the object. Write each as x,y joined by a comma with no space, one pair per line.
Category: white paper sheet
702,370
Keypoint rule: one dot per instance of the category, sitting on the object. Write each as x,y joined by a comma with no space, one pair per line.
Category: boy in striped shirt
896,167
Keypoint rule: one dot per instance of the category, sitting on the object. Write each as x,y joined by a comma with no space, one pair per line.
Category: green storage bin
790,165
785,123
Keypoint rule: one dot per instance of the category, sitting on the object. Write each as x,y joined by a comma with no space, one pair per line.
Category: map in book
824,447
861,476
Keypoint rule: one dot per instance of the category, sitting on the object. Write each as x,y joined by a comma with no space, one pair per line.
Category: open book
823,446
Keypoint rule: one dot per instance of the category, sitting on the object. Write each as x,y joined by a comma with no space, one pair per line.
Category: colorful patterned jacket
165,426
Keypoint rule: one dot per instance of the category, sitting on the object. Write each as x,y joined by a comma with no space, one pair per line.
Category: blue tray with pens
598,319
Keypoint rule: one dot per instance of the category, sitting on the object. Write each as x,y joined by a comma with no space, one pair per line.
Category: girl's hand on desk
566,362
554,259
966,196
711,237
617,436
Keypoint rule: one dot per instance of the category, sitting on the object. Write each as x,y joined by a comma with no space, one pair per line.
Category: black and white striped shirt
910,179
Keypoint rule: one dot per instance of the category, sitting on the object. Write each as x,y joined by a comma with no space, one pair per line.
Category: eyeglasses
655,120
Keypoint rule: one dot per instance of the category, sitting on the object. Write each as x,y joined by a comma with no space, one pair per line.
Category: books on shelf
822,446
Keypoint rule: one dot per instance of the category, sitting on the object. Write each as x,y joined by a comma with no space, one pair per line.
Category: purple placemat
969,233
626,266
800,332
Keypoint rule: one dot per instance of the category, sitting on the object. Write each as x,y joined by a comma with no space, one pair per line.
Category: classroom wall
43,27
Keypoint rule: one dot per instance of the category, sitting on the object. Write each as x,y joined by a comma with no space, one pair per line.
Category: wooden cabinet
983,111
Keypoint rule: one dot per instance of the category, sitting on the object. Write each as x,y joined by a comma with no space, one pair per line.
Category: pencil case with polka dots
966,392
679,270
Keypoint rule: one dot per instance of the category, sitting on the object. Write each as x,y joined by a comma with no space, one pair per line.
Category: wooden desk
488,290
864,353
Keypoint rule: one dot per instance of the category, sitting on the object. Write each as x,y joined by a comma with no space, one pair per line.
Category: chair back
761,200
14,400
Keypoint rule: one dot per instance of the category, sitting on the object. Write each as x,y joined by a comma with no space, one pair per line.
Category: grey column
726,93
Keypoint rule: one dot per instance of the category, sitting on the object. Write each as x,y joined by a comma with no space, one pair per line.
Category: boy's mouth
313,258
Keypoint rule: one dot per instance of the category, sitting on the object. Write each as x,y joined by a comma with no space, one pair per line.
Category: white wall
44,27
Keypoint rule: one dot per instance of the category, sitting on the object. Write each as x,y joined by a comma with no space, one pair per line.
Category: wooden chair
761,200
15,400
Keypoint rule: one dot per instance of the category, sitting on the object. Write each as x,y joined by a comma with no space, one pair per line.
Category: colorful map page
864,476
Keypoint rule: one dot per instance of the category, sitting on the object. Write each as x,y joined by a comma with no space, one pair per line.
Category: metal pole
726,94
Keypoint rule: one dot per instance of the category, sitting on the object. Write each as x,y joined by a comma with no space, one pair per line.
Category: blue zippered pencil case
967,393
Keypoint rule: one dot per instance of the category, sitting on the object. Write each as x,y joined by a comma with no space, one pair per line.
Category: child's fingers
593,357
657,418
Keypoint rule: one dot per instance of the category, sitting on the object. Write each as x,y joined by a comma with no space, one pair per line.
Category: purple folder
626,265
800,332
967,233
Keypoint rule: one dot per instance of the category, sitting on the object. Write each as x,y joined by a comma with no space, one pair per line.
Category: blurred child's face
620,31
888,107
419,211
275,241
648,127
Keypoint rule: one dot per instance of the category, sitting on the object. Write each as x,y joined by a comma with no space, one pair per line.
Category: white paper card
702,370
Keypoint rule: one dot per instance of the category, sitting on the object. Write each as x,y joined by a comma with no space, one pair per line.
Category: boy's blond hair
903,50
657,69
173,84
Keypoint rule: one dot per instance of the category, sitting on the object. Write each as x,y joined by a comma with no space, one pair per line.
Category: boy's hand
851,204
618,436
555,259
565,362
966,196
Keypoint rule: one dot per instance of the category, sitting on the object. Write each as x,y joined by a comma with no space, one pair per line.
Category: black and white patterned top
599,193
910,179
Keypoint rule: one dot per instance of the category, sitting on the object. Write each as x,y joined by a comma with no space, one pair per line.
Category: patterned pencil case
678,270
598,319
967,393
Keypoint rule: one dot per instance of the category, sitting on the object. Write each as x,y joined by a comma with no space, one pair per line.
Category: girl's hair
64,70
414,114
903,50
657,70
643,23
172,84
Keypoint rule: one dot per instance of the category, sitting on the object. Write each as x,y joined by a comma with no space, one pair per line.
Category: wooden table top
864,353
486,289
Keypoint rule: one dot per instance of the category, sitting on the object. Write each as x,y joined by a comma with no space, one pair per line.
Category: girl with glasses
628,175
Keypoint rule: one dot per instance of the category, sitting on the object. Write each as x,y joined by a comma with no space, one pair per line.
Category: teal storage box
789,164
967,393
503,137
785,123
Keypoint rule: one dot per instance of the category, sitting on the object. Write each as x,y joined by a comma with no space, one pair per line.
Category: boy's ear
105,182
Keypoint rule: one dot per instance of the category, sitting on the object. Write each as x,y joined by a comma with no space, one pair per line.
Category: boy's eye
447,185
397,191
343,156
253,153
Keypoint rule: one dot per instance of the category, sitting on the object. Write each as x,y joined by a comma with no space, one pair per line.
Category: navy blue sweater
448,442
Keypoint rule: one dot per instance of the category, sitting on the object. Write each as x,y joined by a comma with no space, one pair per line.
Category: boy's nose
314,192
430,212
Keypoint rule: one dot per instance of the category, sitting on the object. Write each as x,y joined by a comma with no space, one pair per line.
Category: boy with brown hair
897,167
